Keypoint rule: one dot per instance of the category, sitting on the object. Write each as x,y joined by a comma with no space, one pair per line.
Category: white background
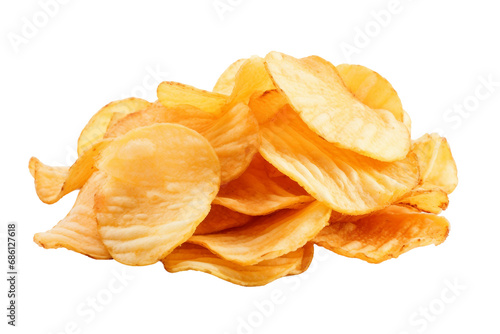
89,53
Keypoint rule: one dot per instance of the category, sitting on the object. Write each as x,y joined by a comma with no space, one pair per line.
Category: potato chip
193,257
53,183
373,90
432,201
267,237
78,230
221,218
96,127
261,190
267,104
161,181
172,94
383,235
225,83
330,109
346,181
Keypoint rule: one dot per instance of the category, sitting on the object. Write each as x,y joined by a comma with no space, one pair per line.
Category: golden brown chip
330,109
53,183
161,181
78,230
346,181
221,218
96,127
383,235
193,257
373,90
432,201
266,105
225,83
261,190
172,94
267,237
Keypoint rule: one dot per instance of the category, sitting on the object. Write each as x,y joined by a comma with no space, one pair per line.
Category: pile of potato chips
241,182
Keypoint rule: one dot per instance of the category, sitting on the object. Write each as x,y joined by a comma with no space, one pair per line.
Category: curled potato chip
373,90
161,181
383,235
53,183
172,94
261,190
432,201
267,237
96,127
221,218
78,230
193,257
225,83
330,109
346,181
266,104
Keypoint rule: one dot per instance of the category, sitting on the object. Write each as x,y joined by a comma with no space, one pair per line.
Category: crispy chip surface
383,235
225,83
161,181
330,109
267,237
348,182
221,218
432,201
78,230
193,257
261,190
266,105
96,127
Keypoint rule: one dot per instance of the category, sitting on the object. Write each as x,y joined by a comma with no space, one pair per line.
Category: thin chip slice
193,257
267,104
346,181
161,181
267,237
261,190
172,94
383,235
437,166
78,230
53,183
330,109
373,90
96,127
221,218
225,83
432,201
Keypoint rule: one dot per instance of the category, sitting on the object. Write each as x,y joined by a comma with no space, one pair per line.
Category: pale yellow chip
221,218
261,190
432,201
330,109
161,181
373,90
383,235
348,182
96,127
78,230
172,94
225,83
193,257
53,183
266,105
267,237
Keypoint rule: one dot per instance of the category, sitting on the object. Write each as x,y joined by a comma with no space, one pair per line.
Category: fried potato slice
437,166
78,230
221,218
161,181
96,127
53,183
432,201
225,83
373,90
193,257
261,190
348,182
267,237
330,109
172,94
383,235
267,104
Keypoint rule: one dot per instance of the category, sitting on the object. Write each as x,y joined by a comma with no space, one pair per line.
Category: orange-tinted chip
432,201
225,83
221,218
267,104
